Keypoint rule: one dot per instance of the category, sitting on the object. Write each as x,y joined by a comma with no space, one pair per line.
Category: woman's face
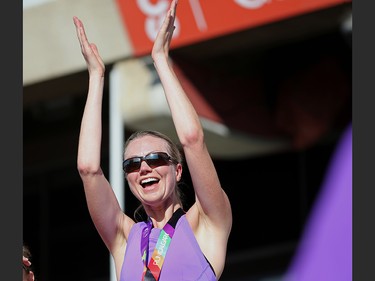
152,186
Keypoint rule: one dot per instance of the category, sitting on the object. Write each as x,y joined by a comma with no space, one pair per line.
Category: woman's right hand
89,50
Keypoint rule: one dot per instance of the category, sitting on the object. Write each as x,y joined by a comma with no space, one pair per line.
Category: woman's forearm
89,147
185,118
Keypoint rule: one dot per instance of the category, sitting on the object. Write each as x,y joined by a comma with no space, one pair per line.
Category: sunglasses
153,159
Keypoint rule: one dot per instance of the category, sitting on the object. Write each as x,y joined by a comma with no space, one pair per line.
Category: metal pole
116,141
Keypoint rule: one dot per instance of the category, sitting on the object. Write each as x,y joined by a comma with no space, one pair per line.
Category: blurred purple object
325,250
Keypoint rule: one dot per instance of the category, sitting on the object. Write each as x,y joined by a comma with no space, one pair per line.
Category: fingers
172,15
26,261
165,34
76,21
168,24
89,50
79,26
173,8
81,34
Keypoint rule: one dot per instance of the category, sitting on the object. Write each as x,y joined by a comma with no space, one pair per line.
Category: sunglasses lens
132,164
156,159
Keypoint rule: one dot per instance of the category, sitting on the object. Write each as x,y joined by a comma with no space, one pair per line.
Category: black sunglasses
153,159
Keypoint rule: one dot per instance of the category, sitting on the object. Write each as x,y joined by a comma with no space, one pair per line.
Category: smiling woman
152,249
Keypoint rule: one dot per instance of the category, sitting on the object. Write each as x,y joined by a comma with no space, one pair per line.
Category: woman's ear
178,172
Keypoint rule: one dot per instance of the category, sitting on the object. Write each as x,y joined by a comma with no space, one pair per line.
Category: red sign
199,20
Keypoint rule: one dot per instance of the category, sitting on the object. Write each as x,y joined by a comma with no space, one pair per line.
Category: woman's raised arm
102,203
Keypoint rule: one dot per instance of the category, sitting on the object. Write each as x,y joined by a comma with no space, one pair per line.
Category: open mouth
148,182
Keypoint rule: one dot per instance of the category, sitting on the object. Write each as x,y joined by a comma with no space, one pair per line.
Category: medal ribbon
152,271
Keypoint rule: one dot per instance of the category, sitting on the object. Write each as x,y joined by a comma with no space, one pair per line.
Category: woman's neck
160,216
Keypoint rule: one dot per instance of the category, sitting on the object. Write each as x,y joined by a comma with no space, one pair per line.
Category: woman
188,245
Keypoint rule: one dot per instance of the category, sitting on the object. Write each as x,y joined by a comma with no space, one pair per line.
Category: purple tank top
184,260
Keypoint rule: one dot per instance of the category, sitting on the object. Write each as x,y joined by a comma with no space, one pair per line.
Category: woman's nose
144,167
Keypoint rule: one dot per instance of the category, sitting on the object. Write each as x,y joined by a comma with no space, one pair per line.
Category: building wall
50,45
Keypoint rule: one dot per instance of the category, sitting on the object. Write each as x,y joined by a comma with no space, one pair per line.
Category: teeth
148,180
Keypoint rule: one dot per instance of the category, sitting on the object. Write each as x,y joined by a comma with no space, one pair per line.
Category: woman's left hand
164,36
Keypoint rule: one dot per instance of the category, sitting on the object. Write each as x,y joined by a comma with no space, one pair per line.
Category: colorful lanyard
152,271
